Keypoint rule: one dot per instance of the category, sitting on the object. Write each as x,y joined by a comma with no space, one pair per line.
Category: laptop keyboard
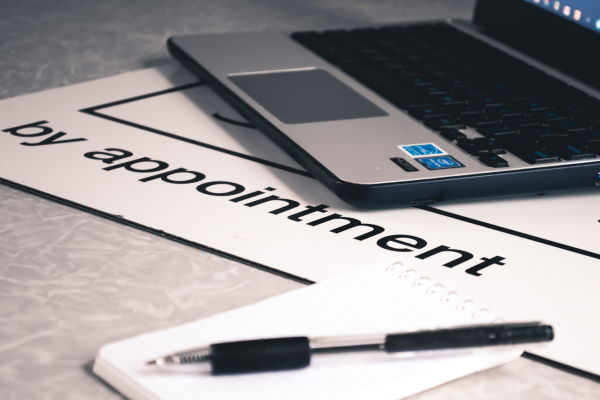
451,81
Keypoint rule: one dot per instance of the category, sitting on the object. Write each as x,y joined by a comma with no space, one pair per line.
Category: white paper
375,299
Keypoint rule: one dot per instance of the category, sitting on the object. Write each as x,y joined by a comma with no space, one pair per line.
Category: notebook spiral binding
450,297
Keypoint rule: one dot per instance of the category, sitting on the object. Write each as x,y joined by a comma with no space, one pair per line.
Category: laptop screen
582,12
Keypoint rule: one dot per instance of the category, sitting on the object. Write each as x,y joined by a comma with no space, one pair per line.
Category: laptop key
445,123
573,152
480,146
535,156
472,148
480,120
576,131
405,165
516,120
452,134
468,112
565,126
496,130
493,160
491,144
547,115
427,112
593,146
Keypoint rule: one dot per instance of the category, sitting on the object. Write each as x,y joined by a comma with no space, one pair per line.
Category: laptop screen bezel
543,35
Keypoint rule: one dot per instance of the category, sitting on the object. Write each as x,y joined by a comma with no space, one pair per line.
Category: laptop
415,113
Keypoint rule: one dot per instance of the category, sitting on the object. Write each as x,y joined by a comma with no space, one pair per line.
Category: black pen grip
260,355
468,337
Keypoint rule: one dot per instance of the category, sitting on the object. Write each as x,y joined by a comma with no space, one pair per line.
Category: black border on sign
95,111
178,239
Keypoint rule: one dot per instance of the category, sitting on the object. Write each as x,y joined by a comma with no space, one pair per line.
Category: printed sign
158,150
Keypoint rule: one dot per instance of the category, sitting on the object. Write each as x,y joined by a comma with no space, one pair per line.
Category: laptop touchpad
308,95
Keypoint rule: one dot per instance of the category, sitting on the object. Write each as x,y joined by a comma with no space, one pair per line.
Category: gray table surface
71,281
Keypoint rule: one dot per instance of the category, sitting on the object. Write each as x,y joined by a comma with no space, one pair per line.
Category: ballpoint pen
276,354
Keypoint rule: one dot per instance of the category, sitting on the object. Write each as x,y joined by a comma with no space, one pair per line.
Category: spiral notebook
385,297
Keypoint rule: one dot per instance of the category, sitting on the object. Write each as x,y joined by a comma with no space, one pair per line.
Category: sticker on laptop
420,150
439,162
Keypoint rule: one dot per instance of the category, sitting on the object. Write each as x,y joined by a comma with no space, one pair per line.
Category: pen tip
162,361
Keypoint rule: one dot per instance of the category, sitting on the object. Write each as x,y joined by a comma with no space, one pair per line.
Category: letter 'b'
30,130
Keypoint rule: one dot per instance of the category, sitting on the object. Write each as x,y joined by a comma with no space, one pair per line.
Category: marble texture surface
71,281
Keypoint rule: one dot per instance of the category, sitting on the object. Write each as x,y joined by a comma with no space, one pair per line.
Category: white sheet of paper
550,254
377,298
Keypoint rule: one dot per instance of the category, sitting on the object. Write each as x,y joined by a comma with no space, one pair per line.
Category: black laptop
420,112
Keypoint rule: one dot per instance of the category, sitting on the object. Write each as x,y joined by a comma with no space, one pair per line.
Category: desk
71,281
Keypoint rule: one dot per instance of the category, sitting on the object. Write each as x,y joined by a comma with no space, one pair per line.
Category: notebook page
384,297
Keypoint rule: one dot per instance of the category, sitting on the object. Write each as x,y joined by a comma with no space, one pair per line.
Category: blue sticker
426,149
439,162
